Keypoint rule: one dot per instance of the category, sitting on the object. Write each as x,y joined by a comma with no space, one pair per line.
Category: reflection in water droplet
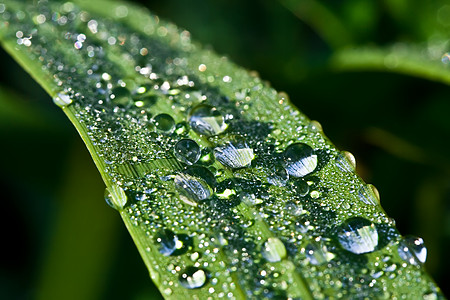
187,151
318,254
62,100
171,244
273,250
164,123
412,250
234,154
367,195
207,120
300,160
194,185
115,197
358,235
193,278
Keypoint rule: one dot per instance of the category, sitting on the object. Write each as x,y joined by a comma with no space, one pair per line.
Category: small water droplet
412,250
234,154
207,120
164,123
187,151
273,250
193,278
171,244
318,254
249,199
277,175
358,235
62,100
299,160
194,185
115,197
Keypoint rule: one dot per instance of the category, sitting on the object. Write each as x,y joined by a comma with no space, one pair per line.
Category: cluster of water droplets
239,194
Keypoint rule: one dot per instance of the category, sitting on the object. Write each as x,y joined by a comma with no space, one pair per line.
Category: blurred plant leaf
225,187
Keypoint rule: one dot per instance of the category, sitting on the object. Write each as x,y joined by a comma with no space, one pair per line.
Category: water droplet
318,254
277,175
249,199
273,250
195,185
187,151
171,244
345,161
301,187
121,96
62,100
367,195
164,123
412,250
207,120
299,160
193,278
358,235
115,197
234,154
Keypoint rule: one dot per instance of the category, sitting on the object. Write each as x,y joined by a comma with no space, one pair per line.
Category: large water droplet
318,254
412,250
358,235
171,244
207,120
273,250
194,185
234,154
164,123
115,197
121,96
368,195
345,161
193,278
187,151
299,160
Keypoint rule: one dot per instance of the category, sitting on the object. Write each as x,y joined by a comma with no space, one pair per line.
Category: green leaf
225,187
426,62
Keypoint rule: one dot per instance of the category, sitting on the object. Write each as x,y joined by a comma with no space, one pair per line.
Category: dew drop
277,175
164,123
187,151
299,160
412,250
62,100
358,235
115,197
193,278
273,250
207,120
171,244
345,161
367,195
121,96
318,254
234,154
194,185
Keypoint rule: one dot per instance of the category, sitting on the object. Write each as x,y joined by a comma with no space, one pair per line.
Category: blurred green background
61,241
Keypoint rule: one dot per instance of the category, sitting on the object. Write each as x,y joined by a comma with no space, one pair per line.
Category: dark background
59,237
